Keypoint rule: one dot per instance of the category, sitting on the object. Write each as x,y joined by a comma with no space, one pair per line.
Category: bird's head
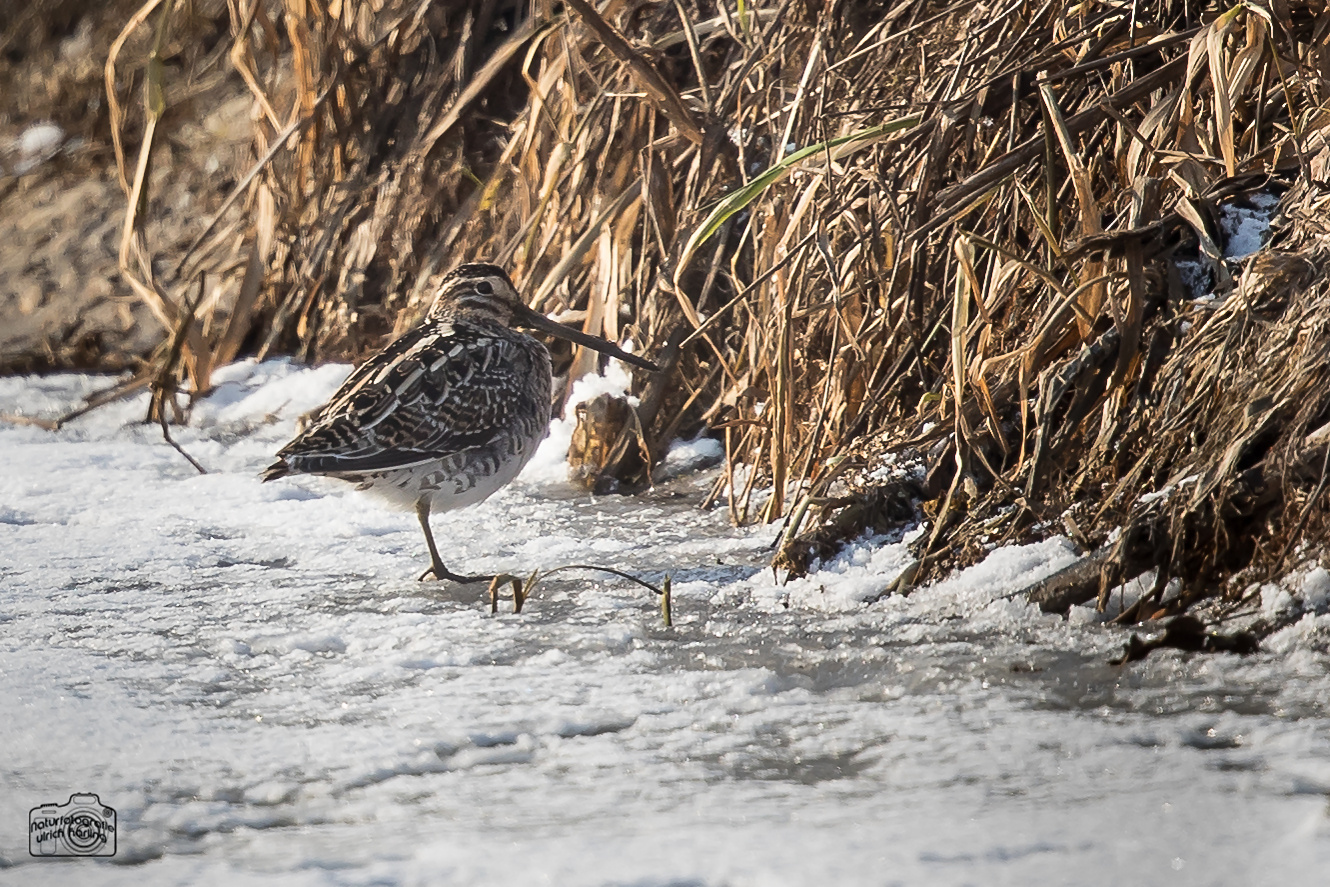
484,291
478,290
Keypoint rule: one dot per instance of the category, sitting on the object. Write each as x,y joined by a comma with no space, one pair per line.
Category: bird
447,414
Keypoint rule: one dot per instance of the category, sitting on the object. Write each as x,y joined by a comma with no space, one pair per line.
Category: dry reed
848,230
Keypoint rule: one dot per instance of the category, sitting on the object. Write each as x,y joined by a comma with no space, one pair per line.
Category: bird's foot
439,572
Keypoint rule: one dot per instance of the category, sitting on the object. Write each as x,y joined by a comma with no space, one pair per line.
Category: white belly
455,482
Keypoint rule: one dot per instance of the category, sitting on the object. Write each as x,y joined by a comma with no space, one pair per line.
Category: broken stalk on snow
164,386
523,591
519,597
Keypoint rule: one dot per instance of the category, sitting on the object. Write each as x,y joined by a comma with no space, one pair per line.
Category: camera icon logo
82,826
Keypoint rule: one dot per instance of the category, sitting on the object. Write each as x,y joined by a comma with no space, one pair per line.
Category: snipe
447,414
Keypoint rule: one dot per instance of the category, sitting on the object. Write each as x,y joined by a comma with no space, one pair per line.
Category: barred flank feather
462,388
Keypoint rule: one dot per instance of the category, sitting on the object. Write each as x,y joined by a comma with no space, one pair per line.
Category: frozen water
250,675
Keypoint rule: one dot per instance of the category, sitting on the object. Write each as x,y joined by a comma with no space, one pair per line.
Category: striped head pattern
478,289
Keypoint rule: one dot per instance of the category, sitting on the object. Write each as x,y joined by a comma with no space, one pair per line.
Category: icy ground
251,676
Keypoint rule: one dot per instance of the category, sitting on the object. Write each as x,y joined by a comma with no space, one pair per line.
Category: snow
1246,225
550,463
895,466
685,456
251,676
37,143
1315,589
1197,279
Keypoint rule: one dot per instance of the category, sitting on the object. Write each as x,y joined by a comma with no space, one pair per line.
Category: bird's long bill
539,321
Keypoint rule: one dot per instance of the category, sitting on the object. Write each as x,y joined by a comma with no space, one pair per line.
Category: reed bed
855,234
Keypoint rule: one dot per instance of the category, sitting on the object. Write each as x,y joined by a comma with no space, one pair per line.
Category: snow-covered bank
249,674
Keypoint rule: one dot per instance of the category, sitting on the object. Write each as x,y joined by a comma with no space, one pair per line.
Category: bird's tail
275,470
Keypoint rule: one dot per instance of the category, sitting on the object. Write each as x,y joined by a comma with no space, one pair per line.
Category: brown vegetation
936,231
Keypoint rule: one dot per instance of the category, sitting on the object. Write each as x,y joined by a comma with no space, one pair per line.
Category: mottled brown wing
438,391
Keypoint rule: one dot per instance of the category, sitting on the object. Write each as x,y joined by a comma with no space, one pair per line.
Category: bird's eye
485,288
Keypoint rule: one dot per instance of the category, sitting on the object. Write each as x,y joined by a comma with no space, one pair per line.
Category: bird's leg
436,567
